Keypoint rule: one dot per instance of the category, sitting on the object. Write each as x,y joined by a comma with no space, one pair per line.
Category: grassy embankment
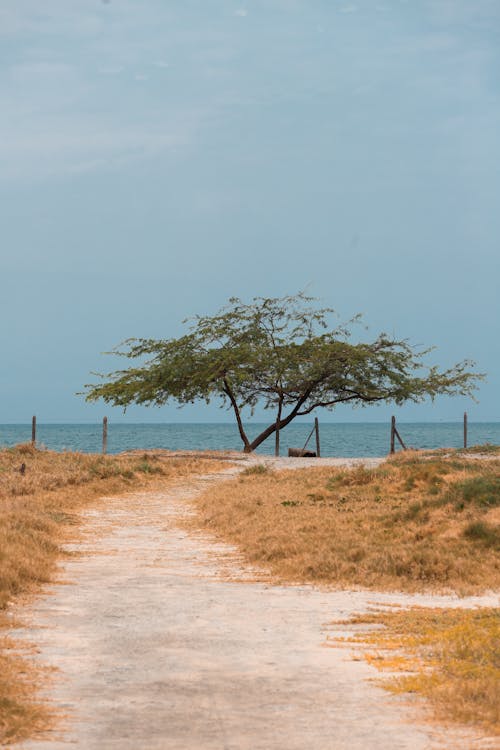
39,507
419,522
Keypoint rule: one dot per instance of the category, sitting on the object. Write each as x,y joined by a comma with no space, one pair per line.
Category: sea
343,439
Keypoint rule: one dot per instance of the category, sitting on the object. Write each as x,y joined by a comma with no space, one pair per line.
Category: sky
159,156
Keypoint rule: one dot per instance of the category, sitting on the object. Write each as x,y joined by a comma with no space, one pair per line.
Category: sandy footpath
163,640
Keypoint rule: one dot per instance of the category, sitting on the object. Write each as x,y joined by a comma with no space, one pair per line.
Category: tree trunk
280,424
277,431
269,431
230,394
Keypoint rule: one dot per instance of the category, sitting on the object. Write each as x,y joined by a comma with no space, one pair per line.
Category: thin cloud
241,12
59,147
36,69
111,70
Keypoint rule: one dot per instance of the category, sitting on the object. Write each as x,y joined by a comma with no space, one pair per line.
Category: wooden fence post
316,427
465,429
393,433
33,431
105,435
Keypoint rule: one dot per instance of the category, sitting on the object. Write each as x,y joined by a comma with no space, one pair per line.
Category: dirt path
156,648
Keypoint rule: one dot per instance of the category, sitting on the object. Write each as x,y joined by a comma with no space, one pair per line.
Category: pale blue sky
157,157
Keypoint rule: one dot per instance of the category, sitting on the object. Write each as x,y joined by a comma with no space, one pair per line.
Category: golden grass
418,522
41,493
449,656
21,715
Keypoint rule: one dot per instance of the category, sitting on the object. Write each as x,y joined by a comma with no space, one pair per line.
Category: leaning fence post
33,431
396,432
465,429
393,433
316,427
104,434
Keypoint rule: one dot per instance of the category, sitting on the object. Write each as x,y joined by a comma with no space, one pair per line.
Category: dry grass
39,507
451,657
20,714
418,522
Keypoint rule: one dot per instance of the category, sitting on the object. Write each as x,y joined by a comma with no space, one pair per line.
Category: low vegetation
41,493
420,521
450,657
21,715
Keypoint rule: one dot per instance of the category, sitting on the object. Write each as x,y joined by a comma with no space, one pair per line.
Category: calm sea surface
337,439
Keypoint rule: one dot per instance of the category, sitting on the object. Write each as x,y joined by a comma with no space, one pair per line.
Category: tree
278,352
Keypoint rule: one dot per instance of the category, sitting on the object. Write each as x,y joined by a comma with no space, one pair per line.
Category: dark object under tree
280,353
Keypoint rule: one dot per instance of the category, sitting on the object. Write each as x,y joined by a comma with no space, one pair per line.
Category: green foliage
104,468
483,491
257,469
352,477
147,468
485,449
281,353
485,533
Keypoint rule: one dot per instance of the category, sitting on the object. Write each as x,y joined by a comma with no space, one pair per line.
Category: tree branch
326,404
282,422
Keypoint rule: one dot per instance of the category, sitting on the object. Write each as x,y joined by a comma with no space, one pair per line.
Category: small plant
316,497
146,468
481,490
257,469
24,449
413,511
435,486
486,449
103,469
485,533
62,517
357,477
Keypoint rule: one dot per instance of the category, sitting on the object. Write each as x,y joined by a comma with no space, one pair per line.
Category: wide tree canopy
280,353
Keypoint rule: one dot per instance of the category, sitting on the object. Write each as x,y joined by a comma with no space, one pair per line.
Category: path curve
158,649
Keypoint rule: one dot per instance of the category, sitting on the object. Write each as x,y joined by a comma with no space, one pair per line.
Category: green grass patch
256,470
484,533
482,490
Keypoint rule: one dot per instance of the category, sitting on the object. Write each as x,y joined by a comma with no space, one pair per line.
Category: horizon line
249,422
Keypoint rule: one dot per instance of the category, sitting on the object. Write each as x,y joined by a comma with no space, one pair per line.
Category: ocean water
337,439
